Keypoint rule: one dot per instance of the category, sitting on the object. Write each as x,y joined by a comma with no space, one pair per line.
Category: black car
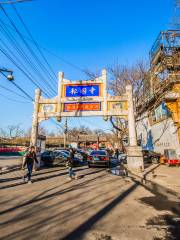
51,158
151,156
81,154
98,158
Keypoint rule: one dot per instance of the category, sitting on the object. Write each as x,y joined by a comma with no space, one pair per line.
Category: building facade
158,111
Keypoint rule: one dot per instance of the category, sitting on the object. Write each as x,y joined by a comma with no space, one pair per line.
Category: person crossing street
30,157
69,164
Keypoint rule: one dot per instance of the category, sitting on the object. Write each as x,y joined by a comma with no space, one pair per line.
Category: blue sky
88,33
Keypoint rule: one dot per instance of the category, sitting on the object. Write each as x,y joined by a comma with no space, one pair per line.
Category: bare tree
82,130
122,75
41,131
12,131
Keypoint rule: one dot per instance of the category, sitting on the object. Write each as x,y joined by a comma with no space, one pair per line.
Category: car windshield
61,154
98,153
47,153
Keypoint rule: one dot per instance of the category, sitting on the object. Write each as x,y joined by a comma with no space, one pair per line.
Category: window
160,113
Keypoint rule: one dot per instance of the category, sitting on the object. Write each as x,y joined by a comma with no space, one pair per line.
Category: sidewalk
161,180
168,177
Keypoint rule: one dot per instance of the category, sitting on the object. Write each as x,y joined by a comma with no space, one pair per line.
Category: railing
166,42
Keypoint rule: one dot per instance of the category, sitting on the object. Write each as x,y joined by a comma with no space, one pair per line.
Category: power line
21,52
24,41
63,60
11,59
11,99
35,43
17,59
15,44
25,93
32,52
16,1
17,86
33,40
51,53
9,90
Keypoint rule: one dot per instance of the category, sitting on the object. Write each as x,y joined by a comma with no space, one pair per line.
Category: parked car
62,150
51,158
151,156
81,154
171,158
98,158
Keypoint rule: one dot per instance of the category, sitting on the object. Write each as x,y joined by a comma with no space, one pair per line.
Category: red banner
11,149
70,107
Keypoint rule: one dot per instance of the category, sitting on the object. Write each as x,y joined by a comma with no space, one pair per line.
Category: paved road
97,206
10,161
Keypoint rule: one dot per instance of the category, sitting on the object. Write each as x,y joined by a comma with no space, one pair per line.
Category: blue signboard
82,91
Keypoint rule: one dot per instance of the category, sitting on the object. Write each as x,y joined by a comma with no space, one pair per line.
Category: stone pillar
61,77
104,77
134,153
34,132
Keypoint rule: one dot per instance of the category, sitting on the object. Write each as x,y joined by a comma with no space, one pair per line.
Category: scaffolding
162,82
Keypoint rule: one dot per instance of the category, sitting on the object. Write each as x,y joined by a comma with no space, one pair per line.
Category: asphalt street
99,205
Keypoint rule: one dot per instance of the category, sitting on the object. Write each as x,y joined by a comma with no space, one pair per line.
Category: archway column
134,152
34,131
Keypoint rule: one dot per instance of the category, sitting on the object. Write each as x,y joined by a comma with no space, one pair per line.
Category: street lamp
7,73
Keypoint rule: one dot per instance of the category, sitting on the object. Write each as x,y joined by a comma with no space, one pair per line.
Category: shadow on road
38,198
87,225
57,217
170,221
36,179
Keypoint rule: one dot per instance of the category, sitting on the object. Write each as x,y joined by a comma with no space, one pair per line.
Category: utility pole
98,141
65,132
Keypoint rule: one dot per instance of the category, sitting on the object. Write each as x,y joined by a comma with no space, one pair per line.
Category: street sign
89,90
82,106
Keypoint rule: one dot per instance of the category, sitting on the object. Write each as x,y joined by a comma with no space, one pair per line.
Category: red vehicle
171,158
98,158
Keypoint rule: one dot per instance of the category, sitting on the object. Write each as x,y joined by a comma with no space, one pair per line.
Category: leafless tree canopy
121,75
11,131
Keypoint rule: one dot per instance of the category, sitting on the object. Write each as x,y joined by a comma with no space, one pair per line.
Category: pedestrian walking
116,154
30,157
69,164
